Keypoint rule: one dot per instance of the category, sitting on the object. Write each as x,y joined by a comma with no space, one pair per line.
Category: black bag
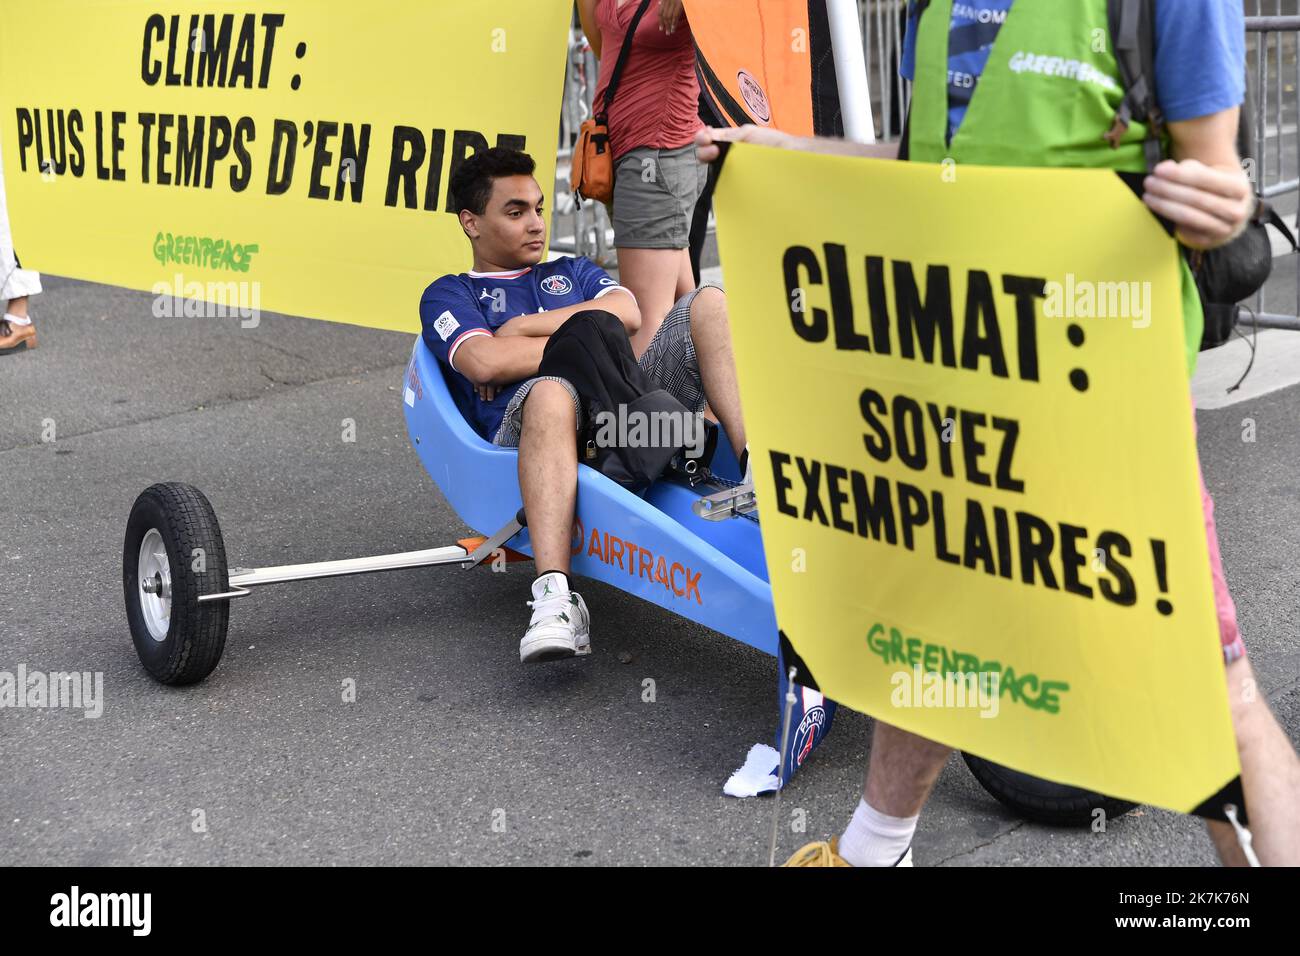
592,351
1234,271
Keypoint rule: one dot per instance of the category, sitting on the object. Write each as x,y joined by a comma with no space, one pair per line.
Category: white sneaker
560,626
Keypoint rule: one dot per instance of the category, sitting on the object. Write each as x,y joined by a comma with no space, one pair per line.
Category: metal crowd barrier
1273,42
580,228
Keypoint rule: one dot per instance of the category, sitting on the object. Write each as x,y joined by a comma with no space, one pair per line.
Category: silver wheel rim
154,585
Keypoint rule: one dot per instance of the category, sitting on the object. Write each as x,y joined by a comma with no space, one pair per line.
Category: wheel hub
155,585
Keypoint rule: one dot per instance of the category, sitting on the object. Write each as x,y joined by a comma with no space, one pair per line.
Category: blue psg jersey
455,308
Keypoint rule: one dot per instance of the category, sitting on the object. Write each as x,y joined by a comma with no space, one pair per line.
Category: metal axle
241,579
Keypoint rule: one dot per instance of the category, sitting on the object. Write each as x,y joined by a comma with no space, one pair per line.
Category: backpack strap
1132,31
1268,216
623,54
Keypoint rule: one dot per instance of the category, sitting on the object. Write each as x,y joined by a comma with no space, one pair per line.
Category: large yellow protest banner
966,395
299,151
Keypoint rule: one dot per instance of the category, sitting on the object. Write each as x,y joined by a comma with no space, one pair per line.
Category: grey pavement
449,734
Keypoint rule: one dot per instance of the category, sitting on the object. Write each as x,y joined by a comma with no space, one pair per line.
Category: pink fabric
1229,632
657,100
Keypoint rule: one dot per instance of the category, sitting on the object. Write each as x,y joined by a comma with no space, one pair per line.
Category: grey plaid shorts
669,362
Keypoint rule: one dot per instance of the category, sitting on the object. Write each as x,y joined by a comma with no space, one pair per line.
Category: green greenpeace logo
203,251
1027,689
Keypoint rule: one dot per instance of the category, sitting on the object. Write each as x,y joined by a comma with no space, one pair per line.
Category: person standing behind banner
17,334
972,102
652,122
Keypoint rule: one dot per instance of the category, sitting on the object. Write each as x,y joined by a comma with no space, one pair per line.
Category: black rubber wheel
178,640
1041,800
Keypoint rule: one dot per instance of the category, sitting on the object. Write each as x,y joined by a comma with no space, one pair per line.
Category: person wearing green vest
1036,83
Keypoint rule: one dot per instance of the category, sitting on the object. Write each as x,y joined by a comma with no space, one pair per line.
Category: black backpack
1237,270
592,351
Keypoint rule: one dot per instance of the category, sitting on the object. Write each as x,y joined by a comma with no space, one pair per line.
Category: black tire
195,633
1042,800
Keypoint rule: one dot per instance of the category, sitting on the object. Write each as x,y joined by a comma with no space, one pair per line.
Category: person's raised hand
706,139
670,12
1208,206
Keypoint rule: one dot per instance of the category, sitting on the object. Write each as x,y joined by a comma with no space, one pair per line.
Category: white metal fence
1273,41
578,228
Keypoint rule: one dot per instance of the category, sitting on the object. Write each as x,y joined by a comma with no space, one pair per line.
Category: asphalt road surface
452,751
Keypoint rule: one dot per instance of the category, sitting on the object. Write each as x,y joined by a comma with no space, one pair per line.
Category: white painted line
1277,366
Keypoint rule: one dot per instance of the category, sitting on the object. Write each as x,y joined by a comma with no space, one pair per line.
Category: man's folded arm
498,360
617,301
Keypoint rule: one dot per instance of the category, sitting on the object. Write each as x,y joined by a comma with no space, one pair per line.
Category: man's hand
1208,205
511,327
706,139
670,12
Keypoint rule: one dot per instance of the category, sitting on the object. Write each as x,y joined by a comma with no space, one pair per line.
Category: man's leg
900,775
548,473
652,276
548,481
1270,769
1270,778
711,333
902,770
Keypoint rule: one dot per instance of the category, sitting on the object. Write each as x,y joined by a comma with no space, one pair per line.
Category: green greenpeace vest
1047,96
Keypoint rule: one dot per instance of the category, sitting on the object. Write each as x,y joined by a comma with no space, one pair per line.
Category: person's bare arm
515,350
1203,190
707,151
587,17
542,324
490,361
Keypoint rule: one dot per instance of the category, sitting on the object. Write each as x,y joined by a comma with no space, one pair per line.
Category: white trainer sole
548,647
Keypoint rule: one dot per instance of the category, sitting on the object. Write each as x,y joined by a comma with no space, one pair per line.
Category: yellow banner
975,463
298,157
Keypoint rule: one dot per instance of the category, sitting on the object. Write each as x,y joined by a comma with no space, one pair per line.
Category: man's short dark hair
471,183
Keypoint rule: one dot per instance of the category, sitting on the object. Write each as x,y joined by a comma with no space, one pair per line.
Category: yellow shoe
818,854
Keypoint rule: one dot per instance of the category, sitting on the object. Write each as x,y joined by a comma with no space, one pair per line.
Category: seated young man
488,327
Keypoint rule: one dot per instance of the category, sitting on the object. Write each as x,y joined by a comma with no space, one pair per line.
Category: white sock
876,839
17,319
